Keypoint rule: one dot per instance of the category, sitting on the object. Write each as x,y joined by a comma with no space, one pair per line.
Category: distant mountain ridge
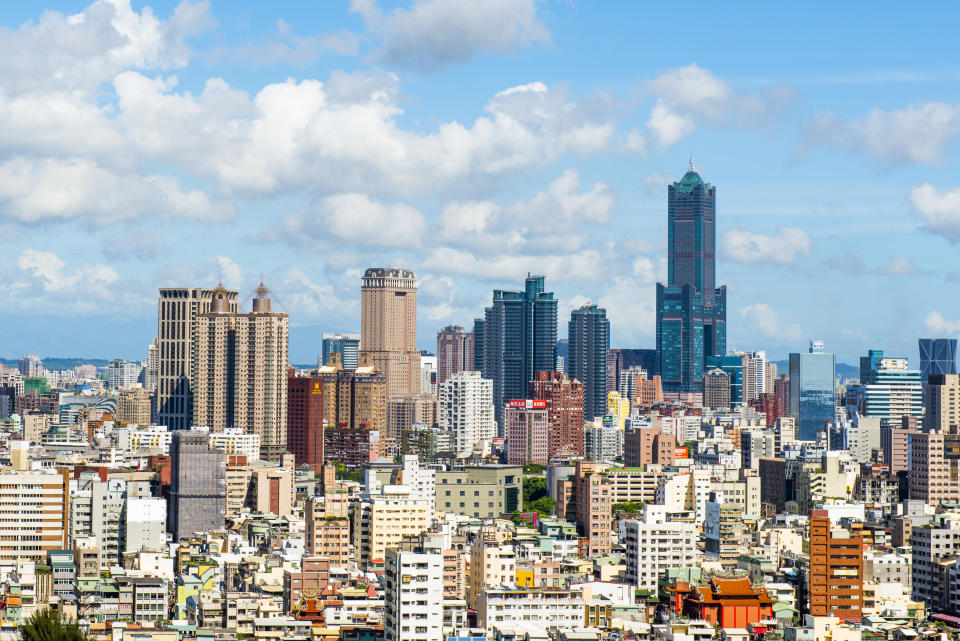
842,370
60,363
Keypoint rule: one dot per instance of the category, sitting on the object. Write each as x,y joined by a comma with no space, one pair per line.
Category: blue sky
165,143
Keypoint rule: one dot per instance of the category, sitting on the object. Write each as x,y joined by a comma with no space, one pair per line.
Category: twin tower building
219,367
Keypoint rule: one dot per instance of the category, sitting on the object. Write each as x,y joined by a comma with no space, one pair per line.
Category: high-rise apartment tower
176,310
239,367
388,327
589,336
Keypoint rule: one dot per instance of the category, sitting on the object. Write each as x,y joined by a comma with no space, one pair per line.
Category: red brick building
564,398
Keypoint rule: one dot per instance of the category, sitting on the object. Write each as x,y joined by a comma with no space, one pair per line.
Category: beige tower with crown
388,327
240,370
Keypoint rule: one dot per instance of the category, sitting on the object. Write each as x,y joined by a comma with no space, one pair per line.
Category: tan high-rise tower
388,327
175,314
240,371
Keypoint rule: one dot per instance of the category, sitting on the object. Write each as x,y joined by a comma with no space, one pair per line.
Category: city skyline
821,162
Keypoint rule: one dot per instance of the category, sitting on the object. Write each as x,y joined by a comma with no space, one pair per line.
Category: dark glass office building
589,340
812,391
691,310
516,337
937,356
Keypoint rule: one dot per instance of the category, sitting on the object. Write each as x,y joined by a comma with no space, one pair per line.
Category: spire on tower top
692,168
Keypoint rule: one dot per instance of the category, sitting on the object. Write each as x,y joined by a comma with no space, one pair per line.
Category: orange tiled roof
731,587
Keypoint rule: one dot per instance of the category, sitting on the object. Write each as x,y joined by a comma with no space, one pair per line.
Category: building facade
654,545
937,356
388,327
346,345
454,352
413,595
836,571
564,399
135,406
34,514
716,389
812,391
122,374
466,408
305,419
197,485
528,432
648,445
934,472
589,339
943,402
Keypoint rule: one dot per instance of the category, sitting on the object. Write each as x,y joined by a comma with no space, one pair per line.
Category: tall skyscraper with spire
691,310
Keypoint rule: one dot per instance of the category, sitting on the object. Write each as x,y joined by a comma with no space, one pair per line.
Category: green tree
47,625
533,469
544,506
627,507
343,474
534,487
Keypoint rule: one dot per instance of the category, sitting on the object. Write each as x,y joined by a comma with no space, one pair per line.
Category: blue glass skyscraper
516,337
937,356
812,392
691,310
347,345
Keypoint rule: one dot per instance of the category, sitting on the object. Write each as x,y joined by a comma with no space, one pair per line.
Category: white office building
655,544
466,409
413,595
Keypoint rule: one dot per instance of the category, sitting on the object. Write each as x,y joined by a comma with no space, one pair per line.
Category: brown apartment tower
239,367
454,352
836,571
176,310
388,327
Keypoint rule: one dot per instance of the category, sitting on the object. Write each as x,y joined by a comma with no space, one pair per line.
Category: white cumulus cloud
937,325
81,51
357,219
939,210
433,34
34,191
783,249
915,134
40,281
689,94
766,321
344,136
